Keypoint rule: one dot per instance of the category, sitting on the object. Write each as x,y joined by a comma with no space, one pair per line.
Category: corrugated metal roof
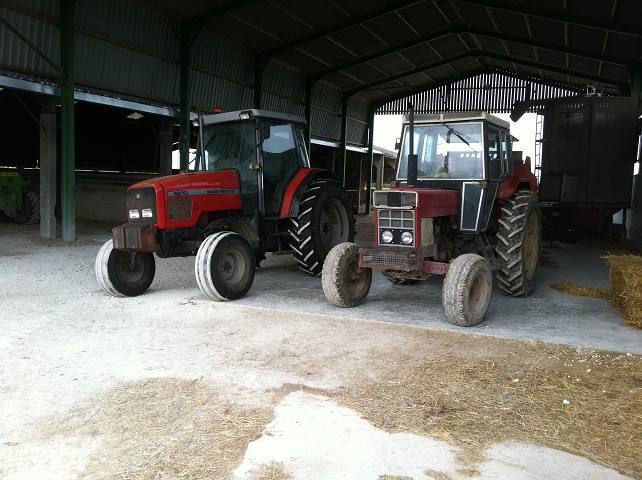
376,51
359,43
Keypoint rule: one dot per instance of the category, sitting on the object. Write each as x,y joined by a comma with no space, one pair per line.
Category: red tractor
251,191
462,209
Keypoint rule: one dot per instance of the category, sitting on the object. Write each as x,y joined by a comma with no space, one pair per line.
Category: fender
298,186
510,185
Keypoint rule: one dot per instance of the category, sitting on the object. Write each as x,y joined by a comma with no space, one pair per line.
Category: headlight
406,238
134,214
386,236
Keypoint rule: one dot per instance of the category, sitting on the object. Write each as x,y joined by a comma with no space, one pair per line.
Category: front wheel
124,273
345,284
466,291
224,266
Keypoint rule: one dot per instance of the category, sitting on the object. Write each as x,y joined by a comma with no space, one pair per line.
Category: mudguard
510,185
298,186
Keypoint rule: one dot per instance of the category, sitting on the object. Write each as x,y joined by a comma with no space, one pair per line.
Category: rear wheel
519,244
325,219
30,211
466,291
344,283
124,273
224,266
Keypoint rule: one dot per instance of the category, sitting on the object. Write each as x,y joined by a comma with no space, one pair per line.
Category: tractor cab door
280,161
477,201
498,152
473,197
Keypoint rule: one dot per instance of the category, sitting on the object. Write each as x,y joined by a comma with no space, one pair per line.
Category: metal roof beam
409,73
265,56
473,31
199,20
488,55
550,68
425,88
388,51
548,15
549,46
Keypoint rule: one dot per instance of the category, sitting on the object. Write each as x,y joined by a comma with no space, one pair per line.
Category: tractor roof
251,113
449,117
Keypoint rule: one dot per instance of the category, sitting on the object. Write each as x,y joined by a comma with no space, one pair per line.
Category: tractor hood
185,183
179,200
434,202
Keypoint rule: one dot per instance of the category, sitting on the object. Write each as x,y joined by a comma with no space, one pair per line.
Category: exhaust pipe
412,156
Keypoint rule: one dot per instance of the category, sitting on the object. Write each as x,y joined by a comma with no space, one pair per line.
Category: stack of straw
626,282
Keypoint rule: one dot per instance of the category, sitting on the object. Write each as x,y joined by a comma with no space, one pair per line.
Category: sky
387,129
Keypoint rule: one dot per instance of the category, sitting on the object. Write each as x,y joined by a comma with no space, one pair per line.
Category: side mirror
398,144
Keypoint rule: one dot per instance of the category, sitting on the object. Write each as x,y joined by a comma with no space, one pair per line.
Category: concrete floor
547,315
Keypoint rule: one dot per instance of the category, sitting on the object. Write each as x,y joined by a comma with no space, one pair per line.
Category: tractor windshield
452,150
230,145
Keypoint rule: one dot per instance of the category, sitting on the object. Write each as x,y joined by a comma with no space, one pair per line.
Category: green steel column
371,115
67,144
344,152
185,94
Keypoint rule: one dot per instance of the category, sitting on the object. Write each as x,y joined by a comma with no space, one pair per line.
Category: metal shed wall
131,50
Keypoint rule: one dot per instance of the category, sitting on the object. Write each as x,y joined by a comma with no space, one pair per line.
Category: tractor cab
469,152
266,148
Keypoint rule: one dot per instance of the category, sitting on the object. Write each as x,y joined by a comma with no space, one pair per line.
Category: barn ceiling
387,49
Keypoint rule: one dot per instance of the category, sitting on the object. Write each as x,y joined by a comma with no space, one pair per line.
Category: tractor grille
141,205
394,258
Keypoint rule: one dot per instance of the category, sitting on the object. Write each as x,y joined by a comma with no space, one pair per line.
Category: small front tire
466,291
225,266
345,284
124,273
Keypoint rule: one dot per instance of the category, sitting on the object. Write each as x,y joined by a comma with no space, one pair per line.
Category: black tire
124,273
344,283
30,211
466,291
225,266
519,242
325,219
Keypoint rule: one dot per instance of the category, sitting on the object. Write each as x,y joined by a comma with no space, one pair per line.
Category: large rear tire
466,291
30,211
124,273
225,266
344,283
325,219
519,244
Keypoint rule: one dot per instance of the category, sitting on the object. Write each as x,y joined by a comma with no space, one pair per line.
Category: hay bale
626,281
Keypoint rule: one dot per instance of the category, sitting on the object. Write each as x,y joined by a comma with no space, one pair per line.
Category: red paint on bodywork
170,185
435,202
510,185
290,191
